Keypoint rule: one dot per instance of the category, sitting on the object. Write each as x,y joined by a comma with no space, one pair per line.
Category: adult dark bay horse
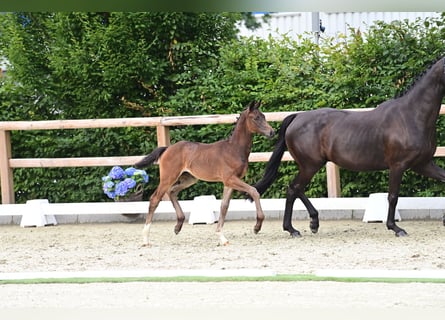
398,135
226,161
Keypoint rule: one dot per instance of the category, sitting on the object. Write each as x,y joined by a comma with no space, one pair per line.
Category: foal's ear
254,105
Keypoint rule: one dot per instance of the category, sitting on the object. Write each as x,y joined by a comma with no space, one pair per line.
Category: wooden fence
162,124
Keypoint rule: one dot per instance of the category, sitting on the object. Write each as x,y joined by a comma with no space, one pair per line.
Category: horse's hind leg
155,198
291,196
166,181
184,181
296,189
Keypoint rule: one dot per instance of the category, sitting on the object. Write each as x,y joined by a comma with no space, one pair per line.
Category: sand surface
117,246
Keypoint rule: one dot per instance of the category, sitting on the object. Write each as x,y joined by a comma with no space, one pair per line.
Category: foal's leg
184,181
238,184
395,179
227,194
166,181
155,198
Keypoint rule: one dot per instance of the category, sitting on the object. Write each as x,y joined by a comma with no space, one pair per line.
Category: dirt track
338,245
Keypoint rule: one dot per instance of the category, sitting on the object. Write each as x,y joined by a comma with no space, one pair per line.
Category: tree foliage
100,65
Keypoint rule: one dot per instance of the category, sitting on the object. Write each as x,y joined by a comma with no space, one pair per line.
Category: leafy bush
360,71
100,65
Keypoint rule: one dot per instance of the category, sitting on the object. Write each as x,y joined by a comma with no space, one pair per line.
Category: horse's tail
151,158
275,159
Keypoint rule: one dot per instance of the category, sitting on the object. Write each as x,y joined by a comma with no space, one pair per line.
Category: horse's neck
241,138
426,96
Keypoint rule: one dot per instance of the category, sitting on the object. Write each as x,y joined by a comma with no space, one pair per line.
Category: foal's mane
418,77
236,122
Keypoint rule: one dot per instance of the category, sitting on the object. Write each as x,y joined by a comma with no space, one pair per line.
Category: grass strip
279,277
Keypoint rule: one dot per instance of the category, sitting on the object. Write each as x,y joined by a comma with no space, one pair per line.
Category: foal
184,163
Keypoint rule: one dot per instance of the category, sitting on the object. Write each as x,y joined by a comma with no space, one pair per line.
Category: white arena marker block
35,214
377,208
203,210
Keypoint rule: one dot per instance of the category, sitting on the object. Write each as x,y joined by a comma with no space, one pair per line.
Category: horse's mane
417,78
235,123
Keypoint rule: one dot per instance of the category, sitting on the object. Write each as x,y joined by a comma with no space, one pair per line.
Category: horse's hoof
314,226
256,230
401,233
295,234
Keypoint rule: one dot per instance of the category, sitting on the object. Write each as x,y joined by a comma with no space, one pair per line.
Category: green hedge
359,71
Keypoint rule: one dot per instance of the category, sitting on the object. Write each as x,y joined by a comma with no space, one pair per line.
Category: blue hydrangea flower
108,185
142,174
130,183
120,182
121,188
130,171
110,195
117,173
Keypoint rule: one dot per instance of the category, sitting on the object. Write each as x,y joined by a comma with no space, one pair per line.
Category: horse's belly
361,166
358,159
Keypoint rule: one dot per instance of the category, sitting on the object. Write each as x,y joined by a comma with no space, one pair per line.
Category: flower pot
135,196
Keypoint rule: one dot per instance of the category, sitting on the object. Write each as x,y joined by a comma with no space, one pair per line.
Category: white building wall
300,23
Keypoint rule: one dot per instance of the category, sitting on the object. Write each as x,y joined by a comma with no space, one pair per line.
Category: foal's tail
275,159
151,158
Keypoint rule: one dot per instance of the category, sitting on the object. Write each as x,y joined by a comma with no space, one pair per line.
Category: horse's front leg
395,179
431,170
227,194
260,214
238,184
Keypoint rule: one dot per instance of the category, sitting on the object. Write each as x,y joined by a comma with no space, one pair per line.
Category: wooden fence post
333,180
7,182
163,136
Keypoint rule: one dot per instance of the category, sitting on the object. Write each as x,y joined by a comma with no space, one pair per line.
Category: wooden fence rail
162,124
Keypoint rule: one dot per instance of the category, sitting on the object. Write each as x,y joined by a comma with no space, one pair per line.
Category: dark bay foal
184,163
